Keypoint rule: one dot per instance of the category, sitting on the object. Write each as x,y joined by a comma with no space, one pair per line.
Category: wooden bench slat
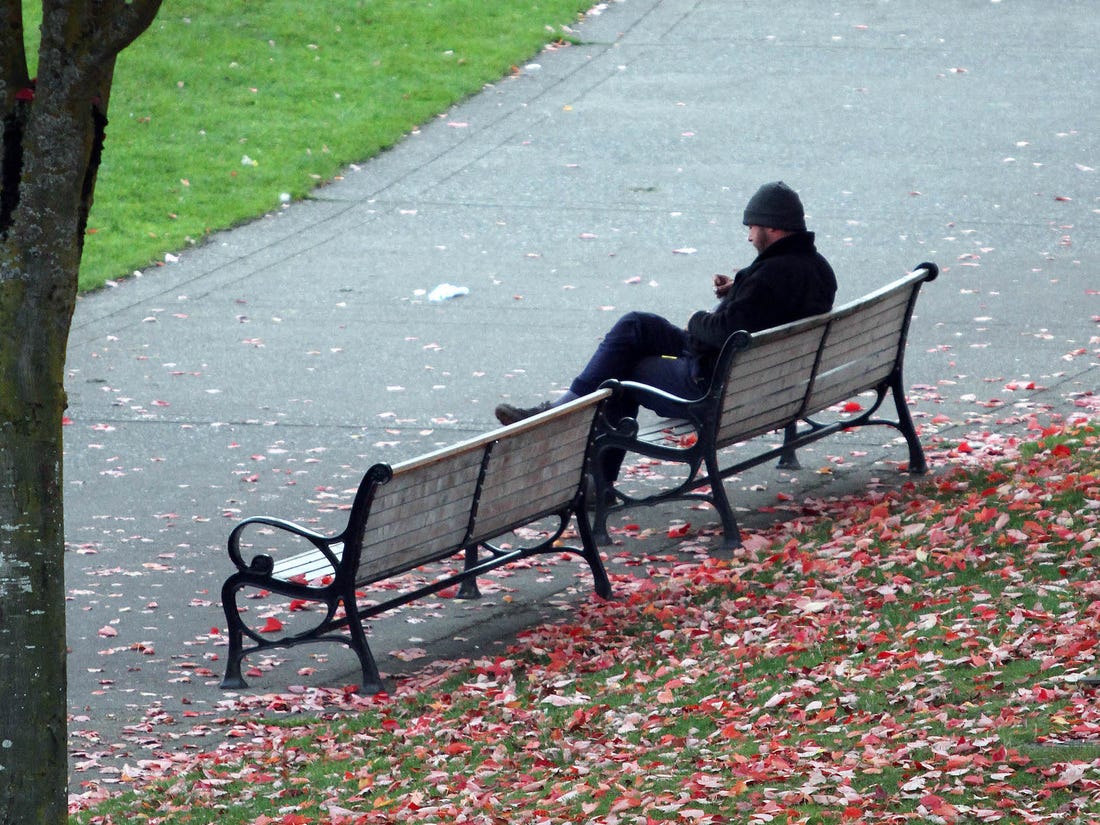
882,322
768,383
532,473
309,565
860,350
772,360
421,544
408,491
752,426
507,508
671,433
542,488
419,517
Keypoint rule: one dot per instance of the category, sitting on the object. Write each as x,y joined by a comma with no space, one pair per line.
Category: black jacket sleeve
735,311
788,281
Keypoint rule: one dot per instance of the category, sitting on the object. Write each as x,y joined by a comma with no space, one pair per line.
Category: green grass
299,89
905,659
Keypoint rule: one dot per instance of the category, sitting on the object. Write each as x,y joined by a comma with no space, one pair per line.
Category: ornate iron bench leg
788,459
372,679
597,499
731,533
917,464
233,679
469,589
591,554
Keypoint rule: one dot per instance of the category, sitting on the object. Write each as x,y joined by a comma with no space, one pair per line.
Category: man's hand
722,284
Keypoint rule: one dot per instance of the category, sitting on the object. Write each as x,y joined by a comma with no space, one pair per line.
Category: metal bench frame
772,380
458,499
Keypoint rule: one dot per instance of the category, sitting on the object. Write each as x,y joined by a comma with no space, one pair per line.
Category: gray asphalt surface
265,370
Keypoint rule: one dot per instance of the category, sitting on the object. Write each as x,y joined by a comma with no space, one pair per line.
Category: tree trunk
53,135
38,269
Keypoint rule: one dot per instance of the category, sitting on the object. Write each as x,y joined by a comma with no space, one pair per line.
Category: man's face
759,237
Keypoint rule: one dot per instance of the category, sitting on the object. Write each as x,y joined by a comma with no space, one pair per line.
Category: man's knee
634,325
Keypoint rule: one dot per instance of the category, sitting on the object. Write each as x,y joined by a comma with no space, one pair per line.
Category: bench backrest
864,344
801,368
535,471
769,380
430,507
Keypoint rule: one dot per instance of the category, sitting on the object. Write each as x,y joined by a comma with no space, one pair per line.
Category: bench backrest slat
431,507
533,471
768,382
421,515
862,348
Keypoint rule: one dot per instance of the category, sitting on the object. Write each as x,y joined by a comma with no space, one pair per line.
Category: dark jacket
789,280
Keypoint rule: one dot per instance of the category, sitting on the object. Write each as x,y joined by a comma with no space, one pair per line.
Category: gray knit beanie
777,206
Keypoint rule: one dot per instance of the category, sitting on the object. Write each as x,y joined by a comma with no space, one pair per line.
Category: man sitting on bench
788,280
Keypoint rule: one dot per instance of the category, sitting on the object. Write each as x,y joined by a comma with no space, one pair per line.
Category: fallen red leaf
272,625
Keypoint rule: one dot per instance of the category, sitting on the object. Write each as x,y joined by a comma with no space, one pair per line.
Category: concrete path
266,370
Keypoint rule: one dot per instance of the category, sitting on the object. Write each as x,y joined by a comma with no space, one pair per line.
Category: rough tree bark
53,134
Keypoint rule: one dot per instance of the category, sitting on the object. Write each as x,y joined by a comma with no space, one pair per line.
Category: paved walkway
264,371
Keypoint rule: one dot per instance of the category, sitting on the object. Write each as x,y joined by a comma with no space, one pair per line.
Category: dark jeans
646,348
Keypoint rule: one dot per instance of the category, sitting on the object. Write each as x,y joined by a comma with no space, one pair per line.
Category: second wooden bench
452,501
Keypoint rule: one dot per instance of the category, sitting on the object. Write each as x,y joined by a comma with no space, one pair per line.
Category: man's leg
634,337
673,375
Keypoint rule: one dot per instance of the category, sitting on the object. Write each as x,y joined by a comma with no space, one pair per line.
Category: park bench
773,380
453,501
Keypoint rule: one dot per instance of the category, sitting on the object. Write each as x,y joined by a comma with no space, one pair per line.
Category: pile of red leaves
909,655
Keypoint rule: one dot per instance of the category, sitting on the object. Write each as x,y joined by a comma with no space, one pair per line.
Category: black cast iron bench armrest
262,561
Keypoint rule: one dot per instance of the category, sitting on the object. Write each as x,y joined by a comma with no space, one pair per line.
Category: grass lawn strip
904,656
222,112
